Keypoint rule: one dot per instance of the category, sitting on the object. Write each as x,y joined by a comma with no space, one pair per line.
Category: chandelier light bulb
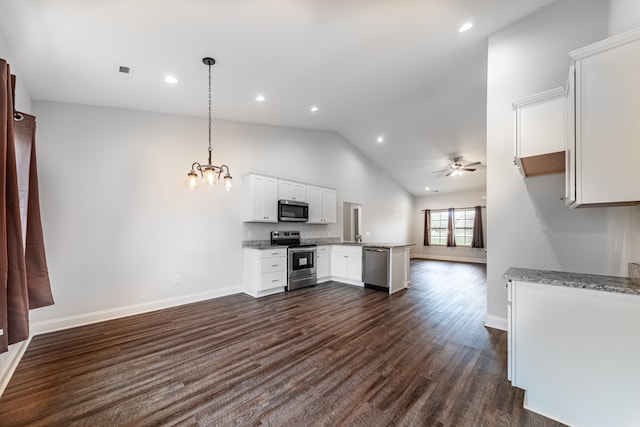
227,182
209,176
192,181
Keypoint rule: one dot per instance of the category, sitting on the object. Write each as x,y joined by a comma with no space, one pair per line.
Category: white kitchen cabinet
322,205
322,263
607,129
540,133
346,264
291,190
264,271
261,198
575,353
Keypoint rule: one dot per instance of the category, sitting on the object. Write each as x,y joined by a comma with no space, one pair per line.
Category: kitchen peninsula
266,265
574,345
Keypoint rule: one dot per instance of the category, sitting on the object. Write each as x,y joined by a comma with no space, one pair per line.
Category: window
439,220
464,219
463,225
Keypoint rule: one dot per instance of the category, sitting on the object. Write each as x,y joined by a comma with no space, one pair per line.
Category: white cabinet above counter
604,81
590,130
262,193
540,133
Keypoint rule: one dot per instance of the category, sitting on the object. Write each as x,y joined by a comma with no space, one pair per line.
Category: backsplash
634,270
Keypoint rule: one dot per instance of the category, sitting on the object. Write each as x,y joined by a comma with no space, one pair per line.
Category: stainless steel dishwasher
375,268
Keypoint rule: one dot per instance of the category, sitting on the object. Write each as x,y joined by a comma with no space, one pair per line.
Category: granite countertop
266,244
623,285
376,244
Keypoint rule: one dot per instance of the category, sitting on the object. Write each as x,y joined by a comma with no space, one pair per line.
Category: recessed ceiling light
313,109
427,188
465,27
260,98
380,139
171,80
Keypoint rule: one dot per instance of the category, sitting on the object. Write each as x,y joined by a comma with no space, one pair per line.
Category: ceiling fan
456,168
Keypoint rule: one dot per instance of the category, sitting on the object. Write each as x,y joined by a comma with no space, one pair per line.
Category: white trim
606,44
259,294
450,258
115,313
496,322
528,407
14,355
347,281
539,97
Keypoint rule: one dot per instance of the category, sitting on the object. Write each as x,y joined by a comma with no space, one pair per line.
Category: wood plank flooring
330,355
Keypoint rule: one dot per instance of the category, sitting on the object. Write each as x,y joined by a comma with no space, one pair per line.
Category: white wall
445,201
528,224
623,15
119,222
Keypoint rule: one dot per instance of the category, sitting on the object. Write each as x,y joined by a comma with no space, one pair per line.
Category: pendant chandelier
209,173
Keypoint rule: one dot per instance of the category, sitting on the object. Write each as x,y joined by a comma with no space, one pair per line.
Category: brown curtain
477,240
24,281
451,228
427,227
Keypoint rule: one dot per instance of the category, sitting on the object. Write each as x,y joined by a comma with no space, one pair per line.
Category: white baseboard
259,294
10,362
543,413
496,322
450,258
347,281
115,313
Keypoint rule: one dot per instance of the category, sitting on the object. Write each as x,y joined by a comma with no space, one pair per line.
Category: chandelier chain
209,113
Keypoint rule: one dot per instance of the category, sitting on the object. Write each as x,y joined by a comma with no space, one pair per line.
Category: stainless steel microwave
293,211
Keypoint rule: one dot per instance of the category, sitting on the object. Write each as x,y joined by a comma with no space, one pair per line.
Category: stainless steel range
301,259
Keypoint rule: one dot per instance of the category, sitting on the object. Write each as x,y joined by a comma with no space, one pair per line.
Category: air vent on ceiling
124,72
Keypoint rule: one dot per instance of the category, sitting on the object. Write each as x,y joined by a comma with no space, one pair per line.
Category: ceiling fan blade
444,170
450,172
468,169
473,164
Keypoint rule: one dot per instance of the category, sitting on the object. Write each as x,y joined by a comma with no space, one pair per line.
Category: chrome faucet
359,238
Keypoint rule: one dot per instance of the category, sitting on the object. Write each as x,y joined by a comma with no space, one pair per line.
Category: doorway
352,219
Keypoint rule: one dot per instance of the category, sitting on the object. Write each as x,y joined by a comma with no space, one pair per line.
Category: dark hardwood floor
329,355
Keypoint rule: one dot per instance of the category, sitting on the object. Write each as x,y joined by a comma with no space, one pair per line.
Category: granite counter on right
574,345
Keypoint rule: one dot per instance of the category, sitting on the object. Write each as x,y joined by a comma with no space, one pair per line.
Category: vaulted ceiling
396,70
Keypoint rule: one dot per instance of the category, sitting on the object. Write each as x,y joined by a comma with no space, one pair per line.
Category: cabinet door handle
274,265
275,280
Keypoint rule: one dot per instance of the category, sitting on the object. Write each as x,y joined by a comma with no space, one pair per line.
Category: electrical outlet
177,279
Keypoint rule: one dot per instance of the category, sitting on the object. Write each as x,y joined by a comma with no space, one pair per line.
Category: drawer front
322,249
271,253
277,279
271,265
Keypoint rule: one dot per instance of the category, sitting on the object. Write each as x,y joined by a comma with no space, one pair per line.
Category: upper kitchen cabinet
322,205
291,190
540,133
606,86
261,198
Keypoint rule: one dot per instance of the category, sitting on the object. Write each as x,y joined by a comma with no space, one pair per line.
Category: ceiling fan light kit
456,168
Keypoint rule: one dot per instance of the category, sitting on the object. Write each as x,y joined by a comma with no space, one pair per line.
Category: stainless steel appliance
375,268
293,211
301,259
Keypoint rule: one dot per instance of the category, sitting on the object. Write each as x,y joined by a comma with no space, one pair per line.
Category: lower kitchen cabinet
575,353
322,263
264,271
346,264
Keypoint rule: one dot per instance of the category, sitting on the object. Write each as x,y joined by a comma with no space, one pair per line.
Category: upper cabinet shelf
540,133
